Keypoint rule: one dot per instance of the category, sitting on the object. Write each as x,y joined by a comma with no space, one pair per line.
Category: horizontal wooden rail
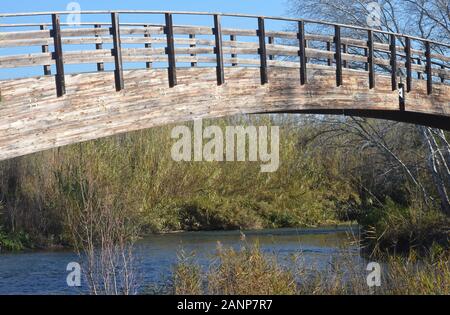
170,45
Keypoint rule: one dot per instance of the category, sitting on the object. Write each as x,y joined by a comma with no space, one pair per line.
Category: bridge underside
33,119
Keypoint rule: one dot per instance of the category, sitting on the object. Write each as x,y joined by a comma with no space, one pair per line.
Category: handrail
6,15
418,61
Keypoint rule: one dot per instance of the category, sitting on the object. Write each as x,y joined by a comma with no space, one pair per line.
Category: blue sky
260,7
256,7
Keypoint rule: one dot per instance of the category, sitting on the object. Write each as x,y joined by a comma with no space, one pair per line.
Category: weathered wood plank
91,109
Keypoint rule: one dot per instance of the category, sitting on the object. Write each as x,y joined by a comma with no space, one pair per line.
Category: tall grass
249,272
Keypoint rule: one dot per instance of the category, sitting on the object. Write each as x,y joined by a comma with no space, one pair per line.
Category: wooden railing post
429,68
147,35
371,60
302,52
393,49
192,37
442,74
117,51
170,51
47,68
233,38
219,50
408,64
100,65
262,50
338,54
58,56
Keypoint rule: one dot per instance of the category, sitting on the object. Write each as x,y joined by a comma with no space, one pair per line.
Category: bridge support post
100,65
393,49
219,50
302,52
338,55
429,68
118,72
170,51
58,56
262,50
47,68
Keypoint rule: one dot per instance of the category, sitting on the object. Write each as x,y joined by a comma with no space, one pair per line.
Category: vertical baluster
419,73
271,42
219,50
442,74
338,55
393,49
192,37
344,51
429,68
262,50
233,38
366,54
147,35
329,60
371,60
117,51
98,46
47,68
58,56
302,52
408,64
171,50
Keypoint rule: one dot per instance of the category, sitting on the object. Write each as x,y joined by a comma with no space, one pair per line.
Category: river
44,272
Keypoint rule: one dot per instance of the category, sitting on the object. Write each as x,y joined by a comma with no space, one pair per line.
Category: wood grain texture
33,119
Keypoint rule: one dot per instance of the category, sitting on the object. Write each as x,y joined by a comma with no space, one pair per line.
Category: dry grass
251,272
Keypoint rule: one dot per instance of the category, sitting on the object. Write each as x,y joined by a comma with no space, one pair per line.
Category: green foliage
135,172
399,228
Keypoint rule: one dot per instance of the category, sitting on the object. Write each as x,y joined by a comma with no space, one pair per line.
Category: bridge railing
174,46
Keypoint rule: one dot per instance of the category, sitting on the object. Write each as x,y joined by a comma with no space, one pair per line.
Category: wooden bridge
146,74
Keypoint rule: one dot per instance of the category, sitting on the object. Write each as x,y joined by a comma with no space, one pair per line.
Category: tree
428,19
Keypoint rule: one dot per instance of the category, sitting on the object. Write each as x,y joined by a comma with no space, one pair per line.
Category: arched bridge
139,72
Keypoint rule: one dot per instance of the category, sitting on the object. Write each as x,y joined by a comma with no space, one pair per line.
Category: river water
44,272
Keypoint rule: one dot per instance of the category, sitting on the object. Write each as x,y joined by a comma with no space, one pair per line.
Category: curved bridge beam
323,74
